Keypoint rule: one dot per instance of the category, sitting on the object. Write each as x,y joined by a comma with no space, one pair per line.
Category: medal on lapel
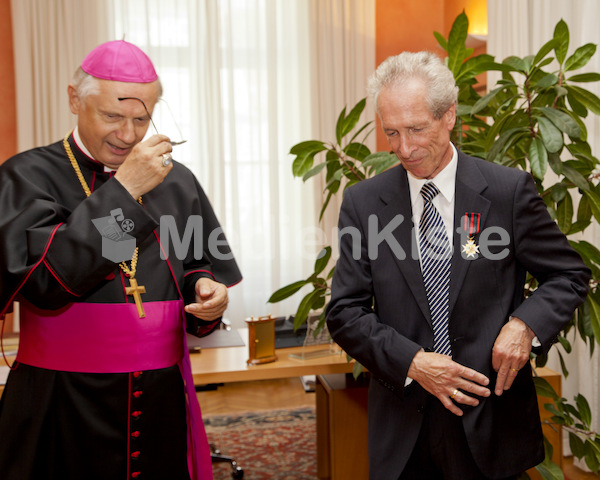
471,226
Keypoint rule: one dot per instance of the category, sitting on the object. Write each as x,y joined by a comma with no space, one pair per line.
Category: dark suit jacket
379,312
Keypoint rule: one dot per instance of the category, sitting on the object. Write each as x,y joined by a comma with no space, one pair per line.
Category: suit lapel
470,183
395,197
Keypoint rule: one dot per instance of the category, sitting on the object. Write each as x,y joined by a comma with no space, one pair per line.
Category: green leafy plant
532,119
345,162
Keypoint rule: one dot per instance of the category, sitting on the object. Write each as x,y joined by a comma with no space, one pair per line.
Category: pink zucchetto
120,61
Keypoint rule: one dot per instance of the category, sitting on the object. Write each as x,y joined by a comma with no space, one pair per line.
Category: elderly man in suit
434,307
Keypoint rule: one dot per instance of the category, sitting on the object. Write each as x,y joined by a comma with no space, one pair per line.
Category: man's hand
211,300
447,380
511,352
143,168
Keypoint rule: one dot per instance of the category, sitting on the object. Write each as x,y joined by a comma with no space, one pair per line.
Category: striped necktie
435,258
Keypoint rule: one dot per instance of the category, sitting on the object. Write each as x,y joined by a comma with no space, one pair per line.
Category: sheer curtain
519,27
244,80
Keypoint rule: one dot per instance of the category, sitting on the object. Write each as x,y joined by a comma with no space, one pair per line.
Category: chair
218,457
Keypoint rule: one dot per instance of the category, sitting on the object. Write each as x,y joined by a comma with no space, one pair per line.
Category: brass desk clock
261,340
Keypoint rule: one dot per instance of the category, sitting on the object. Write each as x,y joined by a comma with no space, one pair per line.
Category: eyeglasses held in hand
152,121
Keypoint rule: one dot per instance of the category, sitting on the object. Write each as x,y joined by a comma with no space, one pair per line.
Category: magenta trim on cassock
111,338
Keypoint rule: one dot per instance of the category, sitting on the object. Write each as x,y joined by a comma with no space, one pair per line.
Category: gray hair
442,91
85,84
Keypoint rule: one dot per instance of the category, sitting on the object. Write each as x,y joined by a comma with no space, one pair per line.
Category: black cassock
60,424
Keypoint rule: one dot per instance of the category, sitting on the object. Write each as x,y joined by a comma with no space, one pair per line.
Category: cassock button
109,277
136,414
135,434
136,474
135,454
137,394
137,374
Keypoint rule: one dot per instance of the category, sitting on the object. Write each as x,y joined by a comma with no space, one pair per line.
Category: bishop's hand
144,169
211,300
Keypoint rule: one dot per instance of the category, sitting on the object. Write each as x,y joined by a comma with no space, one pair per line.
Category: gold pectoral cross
135,290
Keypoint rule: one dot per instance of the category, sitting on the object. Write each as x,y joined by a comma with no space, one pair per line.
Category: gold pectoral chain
133,289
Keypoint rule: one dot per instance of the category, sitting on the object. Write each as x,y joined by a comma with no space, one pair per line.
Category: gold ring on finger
514,369
454,394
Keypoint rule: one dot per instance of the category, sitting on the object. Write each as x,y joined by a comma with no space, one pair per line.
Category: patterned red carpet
273,445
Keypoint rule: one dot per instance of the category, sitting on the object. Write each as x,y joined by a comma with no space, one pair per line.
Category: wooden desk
228,364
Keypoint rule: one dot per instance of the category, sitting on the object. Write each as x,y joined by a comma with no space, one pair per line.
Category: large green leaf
563,121
561,35
594,317
544,389
287,291
538,158
580,57
577,178
585,77
347,124
584,409
546,48
552,136
564,213
456,42
314,171
585,97
306,306
358,151
594,201
322,259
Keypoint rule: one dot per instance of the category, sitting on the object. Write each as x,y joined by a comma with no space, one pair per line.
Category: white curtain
244,80
521,27
50,40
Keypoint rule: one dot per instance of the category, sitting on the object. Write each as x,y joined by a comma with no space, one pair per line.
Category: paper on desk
4,369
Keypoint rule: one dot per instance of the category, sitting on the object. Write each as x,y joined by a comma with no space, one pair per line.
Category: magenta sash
101,337
111,338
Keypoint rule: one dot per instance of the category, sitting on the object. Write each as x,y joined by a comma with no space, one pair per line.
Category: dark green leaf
586,98
547,81
286,291
555,163
485,100
516,63
563,121
351,120
576,445
576,177
441,40
308,147
594,201
544,389
313,171
306,306
561,35
456,42
546,48
564,213
322,259
538,158
552,136
584,409
358,151
339,126
594,317
580,57
585,77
